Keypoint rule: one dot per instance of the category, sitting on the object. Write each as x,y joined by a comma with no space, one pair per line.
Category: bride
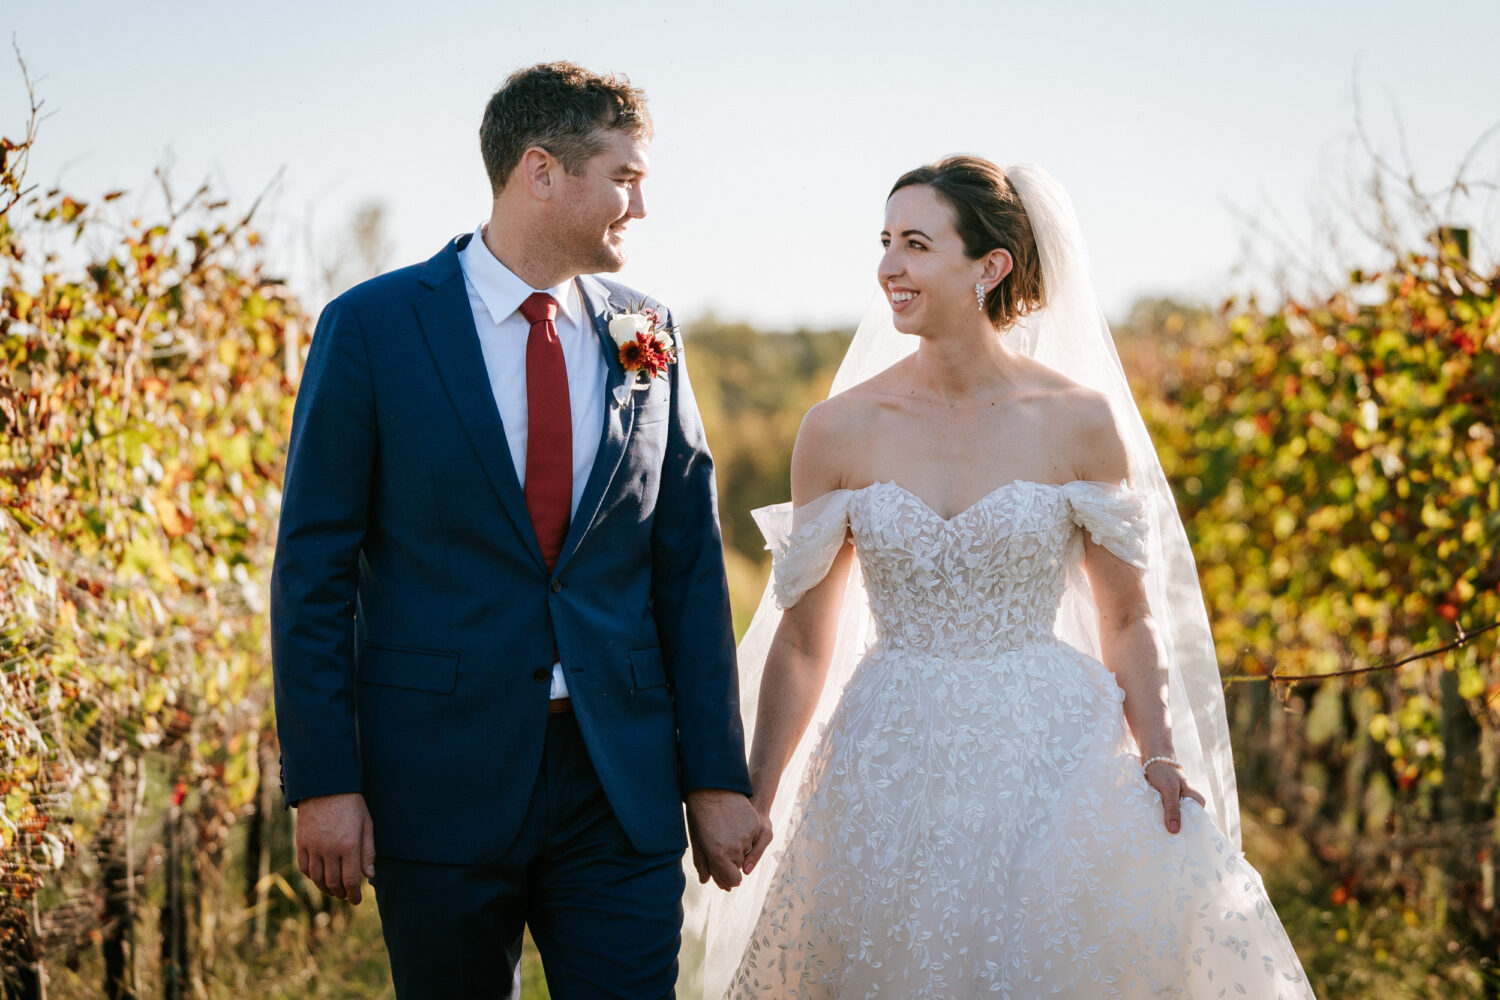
1020,785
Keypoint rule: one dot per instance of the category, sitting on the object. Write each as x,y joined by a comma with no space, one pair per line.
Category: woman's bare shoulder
851,412
1088,424
1079,422
836,431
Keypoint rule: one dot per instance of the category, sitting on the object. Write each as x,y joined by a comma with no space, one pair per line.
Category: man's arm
325,502
691,599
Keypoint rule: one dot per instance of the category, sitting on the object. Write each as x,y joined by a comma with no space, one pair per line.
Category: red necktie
549,429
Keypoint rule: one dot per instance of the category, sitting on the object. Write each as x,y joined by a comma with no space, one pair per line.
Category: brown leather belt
558,706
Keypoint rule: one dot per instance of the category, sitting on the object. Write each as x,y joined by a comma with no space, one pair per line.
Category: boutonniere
647,347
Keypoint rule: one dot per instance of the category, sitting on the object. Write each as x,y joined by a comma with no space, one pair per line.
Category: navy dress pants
607,921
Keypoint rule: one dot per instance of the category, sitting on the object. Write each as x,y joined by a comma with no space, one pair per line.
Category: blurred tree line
753,387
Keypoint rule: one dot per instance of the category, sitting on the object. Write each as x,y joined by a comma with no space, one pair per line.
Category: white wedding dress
973,820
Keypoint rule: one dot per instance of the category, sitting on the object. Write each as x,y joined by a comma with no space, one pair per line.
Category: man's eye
885,242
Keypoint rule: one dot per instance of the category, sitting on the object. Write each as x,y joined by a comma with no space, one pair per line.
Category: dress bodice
985,580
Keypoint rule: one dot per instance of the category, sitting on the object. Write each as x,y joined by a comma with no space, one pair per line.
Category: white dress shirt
495,296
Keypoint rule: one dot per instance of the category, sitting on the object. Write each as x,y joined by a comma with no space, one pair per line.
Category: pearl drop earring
979,294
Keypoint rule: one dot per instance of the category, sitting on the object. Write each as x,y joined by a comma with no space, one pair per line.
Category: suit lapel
447,322
618,420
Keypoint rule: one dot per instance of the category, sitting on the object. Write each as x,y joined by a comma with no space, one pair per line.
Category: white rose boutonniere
646,345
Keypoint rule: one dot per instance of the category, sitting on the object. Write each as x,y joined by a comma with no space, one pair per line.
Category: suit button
541,674
556,586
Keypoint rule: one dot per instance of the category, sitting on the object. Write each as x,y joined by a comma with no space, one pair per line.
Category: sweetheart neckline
977,503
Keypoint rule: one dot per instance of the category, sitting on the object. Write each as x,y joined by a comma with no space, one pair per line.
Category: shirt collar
502,292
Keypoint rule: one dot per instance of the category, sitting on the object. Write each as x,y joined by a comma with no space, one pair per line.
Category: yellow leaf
167,514
1470,683
153,699
1435,518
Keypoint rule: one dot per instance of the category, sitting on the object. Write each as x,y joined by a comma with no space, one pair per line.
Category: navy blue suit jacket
413,617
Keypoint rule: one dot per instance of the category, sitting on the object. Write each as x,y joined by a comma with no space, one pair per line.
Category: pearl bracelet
1162,760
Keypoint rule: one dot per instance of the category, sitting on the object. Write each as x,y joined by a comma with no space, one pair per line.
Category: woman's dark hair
988,215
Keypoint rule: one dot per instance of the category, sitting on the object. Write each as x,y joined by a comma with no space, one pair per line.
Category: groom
501,631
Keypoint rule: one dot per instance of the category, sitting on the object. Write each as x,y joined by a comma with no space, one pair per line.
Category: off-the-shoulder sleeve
1114,517
803,542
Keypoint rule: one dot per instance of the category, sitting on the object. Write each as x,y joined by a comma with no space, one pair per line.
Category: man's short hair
561,107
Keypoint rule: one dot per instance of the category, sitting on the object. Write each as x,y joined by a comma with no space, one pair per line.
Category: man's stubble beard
593,257
605,261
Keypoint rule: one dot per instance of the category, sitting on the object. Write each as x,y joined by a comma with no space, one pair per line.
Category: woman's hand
763,837
1172,786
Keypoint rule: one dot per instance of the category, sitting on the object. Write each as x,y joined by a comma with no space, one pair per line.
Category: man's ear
538,172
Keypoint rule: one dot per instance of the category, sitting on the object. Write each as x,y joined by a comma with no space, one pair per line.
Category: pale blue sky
780,126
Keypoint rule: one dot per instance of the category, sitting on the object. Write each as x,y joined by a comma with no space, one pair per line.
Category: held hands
727,834
336,843
1165,775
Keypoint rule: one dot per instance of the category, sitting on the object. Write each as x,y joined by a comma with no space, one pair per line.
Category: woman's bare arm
797,663
1127,632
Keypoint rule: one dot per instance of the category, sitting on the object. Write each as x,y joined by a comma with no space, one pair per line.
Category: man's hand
336,843
727,834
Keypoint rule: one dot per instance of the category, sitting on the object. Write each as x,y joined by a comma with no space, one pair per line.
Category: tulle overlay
973,820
